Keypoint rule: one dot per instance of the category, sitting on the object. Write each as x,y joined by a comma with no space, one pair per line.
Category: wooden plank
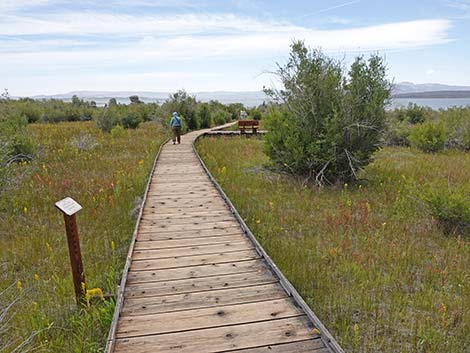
179,198
191,285
176,210
156,214
206,318
181,202
153,235
198,250
186,227
195,271
185,242
199,300
197,260
310,346
176,179
168,220
188,193
218,339
180,191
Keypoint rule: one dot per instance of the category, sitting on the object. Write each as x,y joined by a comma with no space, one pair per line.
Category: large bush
204,115
186,106
15,144
429,136
331,122
450,208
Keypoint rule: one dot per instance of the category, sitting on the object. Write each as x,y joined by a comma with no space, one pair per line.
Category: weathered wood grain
195,271
197,260
196,250
153,289
220,339
206,318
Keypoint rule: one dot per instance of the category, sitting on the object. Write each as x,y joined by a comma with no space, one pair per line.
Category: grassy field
106,175
368,258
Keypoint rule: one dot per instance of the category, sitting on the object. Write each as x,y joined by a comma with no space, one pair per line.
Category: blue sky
54,46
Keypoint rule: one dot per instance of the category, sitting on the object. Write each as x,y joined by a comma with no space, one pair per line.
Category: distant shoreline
434,94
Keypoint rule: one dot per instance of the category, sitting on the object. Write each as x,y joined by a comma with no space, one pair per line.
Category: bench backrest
248,123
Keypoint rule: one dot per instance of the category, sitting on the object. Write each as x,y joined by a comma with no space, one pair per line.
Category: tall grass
106,174
368,258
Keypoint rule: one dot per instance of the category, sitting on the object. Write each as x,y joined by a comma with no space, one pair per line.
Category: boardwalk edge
120,297
329,341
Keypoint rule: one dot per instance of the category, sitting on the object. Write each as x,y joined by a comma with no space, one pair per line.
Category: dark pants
176,134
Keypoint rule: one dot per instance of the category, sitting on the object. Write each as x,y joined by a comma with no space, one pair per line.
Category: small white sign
68,205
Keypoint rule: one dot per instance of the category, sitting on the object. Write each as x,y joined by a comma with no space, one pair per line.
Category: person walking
176,124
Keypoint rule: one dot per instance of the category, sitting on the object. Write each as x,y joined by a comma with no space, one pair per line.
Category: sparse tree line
15,114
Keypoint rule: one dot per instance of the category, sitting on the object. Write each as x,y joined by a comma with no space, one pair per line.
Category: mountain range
254,98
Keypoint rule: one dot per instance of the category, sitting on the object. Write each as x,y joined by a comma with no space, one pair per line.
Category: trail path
196,282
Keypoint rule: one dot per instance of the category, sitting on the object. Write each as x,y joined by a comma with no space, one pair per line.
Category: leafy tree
135,99
204,115
330,123
255,114
186,106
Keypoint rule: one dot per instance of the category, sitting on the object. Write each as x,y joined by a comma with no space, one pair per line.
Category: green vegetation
428,137
429,130
106,174
371,259
330,123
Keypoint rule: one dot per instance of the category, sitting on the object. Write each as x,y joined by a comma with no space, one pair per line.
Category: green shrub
204,115
397,133
415,114
15,144
429,136
331,124
117,131
255,114
130,121
108,119
451,209
457,122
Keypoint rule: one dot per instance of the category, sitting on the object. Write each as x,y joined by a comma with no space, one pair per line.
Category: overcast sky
54,46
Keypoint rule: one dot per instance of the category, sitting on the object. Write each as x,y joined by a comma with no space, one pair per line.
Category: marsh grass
368,258
105,174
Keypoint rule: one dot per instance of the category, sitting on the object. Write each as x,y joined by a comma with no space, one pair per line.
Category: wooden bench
243,125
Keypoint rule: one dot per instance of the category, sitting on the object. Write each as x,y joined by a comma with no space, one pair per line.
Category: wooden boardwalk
196,281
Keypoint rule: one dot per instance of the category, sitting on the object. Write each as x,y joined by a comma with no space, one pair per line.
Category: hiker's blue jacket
175,121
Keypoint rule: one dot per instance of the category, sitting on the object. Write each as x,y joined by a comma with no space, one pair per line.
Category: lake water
434,103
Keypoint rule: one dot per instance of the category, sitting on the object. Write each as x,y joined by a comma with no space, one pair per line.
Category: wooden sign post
69,208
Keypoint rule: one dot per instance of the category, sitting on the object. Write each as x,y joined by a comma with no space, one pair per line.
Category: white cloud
463,5
430,72
14,5
73,44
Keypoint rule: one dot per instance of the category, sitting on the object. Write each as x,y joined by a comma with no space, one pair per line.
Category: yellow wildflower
36,277
91,293
258,221
19,286
113,246
25,210
316,331
141,162
356,329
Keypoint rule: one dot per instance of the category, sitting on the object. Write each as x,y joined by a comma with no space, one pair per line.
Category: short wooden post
69,208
